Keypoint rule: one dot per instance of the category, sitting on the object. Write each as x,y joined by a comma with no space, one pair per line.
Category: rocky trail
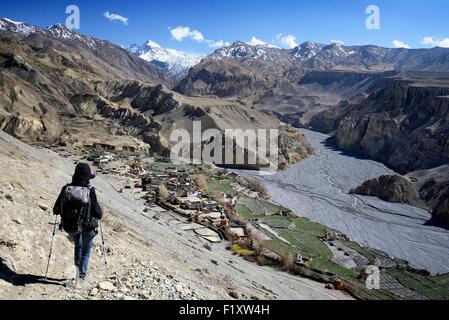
149,256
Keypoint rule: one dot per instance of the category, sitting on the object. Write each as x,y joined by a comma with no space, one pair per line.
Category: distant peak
58,26
310,44
335,45
238,43
175,62
153,44
12,21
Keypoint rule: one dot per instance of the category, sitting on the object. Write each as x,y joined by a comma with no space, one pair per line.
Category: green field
221,185
168,165
305,238
434,288
261,207
364,252
244,212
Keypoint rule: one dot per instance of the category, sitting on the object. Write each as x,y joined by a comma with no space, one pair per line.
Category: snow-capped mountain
307,50
242,69
58,31
241,50
24,29
176,63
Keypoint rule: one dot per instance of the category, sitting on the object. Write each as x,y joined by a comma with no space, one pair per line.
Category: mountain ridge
59,37
60,87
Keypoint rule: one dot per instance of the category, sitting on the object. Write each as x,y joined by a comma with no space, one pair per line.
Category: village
174,188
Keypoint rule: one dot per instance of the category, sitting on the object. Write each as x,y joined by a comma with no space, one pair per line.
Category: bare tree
288,259
201,181
256,185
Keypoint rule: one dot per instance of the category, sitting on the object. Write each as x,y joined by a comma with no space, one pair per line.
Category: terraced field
289,235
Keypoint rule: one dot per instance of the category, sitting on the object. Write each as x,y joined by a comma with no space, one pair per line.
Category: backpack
75,207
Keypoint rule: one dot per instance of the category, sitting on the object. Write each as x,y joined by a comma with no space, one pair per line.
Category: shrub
201,181
288,260
256,185
163,192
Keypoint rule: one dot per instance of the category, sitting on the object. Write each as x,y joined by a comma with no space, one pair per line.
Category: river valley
318,188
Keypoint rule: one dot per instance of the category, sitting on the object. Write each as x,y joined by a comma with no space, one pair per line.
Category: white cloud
427,40
288,40
181,33
256,42
116,17
430,41
217,44
400,44
338,42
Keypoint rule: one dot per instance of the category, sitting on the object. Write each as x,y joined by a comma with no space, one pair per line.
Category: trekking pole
51,246
104,250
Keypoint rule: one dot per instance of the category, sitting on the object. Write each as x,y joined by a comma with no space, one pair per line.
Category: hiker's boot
72,284
80,283
77,274
76,282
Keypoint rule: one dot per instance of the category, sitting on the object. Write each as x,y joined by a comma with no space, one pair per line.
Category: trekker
80,213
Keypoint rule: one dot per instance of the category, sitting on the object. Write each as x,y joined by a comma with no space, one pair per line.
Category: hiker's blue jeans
83,246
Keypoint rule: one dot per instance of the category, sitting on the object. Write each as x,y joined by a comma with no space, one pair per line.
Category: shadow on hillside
330,143
435,222
21,280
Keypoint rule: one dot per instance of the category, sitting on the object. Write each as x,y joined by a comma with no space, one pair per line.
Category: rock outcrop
293,147
428,189
441,211
389,188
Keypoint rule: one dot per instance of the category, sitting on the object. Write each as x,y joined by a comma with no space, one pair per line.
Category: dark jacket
81,178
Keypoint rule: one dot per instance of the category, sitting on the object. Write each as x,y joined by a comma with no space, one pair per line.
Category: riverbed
318,188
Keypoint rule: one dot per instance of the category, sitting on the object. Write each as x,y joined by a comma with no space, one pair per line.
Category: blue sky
207,23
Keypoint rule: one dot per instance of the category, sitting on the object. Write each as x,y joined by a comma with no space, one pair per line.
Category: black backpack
75,207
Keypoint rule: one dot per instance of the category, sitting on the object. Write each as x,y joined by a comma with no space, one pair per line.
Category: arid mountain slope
41,70
89,56
240,70
297,102
403,121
